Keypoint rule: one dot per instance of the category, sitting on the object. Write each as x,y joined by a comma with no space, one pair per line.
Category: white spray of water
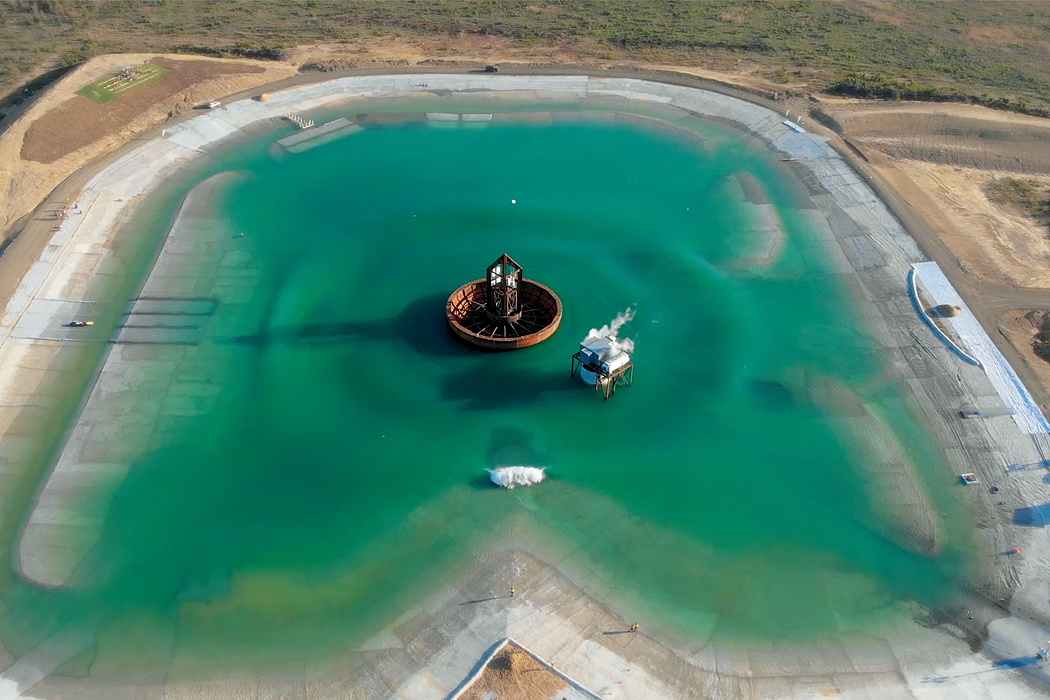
509,477
611,331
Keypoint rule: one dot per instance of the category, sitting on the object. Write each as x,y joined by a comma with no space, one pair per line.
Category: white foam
612,331
509,477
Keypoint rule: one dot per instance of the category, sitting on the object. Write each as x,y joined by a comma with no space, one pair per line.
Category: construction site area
949,281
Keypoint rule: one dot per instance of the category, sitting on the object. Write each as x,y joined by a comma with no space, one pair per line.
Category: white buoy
513,201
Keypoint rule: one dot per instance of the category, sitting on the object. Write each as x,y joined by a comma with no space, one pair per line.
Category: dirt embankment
941,159
78,122
958,135
944,161
1029,333
996,243
63,131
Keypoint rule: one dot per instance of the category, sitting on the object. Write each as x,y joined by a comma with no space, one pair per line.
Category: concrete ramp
49,319
40,662
318,135
166,320
140,395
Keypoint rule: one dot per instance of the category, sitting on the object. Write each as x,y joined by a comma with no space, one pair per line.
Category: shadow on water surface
486,386
772,395
481,482
509,446
421,325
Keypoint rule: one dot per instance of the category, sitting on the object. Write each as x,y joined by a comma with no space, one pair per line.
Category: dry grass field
988,50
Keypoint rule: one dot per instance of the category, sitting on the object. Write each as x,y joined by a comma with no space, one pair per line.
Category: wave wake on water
510,477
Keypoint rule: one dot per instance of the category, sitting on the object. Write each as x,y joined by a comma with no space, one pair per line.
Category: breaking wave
509,477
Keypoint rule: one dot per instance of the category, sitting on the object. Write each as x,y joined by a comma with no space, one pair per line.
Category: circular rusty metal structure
471,321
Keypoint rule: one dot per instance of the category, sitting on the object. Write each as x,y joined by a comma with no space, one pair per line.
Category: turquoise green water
340,477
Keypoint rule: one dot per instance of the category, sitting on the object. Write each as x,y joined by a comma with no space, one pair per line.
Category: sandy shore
429,652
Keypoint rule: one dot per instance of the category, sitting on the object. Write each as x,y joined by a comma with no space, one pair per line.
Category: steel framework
605,382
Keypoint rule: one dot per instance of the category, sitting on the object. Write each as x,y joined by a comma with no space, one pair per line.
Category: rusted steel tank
503,311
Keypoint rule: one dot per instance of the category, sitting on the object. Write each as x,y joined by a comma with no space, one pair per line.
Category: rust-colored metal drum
470,321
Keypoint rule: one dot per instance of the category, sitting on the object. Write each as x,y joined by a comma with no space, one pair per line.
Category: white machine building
604,364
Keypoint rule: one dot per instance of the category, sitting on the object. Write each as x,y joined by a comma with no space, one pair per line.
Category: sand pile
947,310
514,674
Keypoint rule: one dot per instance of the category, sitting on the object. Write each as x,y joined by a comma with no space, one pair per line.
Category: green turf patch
113,86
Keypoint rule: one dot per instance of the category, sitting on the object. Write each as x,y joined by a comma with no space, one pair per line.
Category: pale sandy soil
937,156
995,244
949,134
848,108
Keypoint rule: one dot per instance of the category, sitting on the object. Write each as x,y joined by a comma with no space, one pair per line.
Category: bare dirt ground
937,158
78,122
950,134
994,243
1022,328
24,183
